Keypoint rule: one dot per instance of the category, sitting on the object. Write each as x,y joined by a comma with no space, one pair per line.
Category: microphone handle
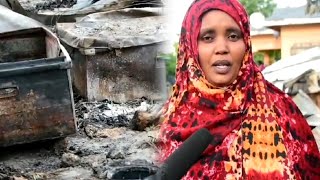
183,158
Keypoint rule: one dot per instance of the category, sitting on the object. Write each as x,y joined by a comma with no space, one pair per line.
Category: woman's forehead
218,18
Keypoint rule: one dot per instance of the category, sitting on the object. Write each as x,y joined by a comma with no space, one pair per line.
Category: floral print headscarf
259,133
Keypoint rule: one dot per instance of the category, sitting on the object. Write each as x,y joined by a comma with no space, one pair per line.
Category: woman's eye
234,37
207,38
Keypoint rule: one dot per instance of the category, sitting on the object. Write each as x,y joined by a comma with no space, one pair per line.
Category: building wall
298,37
265,42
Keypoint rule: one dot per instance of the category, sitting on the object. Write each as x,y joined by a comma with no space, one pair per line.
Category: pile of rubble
104,147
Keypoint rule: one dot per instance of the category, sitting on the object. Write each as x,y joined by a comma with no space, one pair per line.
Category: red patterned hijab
259,133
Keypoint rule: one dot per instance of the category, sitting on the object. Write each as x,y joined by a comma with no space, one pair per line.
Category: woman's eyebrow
234,29
207,31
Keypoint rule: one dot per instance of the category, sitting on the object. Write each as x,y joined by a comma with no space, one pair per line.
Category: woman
259,133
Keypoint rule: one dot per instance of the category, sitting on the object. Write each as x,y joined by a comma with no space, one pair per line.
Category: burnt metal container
36,101
114,54
104,75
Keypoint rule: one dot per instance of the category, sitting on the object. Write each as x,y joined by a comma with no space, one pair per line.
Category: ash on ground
103,147
110,114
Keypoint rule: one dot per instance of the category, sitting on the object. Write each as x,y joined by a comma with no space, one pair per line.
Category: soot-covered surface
39,5
36,5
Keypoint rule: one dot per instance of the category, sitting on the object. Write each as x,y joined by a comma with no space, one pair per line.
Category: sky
176,9
285,3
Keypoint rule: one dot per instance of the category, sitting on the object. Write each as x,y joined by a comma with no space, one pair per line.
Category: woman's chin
220,83
221,80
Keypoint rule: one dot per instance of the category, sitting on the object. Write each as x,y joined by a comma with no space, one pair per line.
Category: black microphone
182,159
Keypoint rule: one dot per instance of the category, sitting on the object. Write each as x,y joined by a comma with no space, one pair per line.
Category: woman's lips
222,66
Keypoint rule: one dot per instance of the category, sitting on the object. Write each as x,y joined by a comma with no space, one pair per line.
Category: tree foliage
171,62
266,7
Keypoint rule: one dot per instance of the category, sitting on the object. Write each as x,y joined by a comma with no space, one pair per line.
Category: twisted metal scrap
313,7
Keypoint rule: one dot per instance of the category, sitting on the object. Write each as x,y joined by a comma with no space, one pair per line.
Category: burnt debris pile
110,114
52,4
105,147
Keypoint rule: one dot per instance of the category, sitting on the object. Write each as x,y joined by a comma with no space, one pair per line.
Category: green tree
171,62
266,7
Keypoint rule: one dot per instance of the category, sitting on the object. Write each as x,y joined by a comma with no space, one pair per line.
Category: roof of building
291,16
262,31
291,12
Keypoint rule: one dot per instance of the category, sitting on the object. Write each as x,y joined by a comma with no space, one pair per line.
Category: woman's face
221,48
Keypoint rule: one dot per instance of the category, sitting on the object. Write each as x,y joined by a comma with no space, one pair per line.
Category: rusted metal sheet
308,108
35,101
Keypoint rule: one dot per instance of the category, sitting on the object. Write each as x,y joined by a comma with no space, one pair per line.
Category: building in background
287,32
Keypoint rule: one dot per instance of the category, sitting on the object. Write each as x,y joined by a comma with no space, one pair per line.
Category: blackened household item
133,173
36,101
115,54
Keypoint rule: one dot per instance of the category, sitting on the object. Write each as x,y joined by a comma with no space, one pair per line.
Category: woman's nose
221,46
